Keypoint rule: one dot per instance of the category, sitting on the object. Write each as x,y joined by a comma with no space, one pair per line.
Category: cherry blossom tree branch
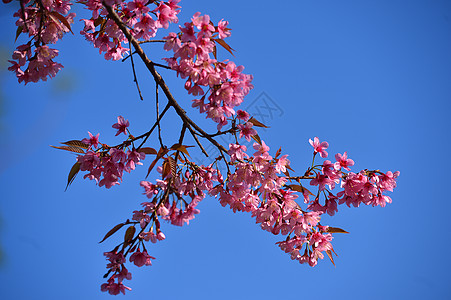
158,78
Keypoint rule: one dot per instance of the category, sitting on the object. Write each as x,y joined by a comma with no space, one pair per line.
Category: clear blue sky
370,77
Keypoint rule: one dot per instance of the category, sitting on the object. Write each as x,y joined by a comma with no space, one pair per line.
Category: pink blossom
121,125
319,147
93,141
114,288
223,30
141,258
247,131
343,162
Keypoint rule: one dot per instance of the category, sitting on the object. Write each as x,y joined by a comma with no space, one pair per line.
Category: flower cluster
226,83
104,33
107,164
189,183
45,22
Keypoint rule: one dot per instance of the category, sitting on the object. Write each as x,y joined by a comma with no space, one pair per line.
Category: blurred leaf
173,166
73,172
112,231
257,138
129,234
61,18
329,253
225,45
181,148
69,148
257,123
214,52
160,154
336,230
18,32
76,143
148,150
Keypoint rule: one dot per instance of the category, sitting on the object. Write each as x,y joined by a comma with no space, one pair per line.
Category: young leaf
148,150
166,168
257,138
214,51
129,234
61,18
76,143
160,154
329,253
69,148
257,123
181,148
112,231
336,230
173,166
73,172
225,45
18,32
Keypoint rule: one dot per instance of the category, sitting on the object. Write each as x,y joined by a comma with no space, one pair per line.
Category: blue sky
370,77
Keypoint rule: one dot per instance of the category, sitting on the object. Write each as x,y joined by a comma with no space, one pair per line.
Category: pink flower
121,125
242,115
343,162
247,131
114,288
319,147
223,30
92,141
141,258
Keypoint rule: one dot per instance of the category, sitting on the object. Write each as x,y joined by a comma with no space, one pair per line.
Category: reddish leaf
257,123
336,230
225,45
166,169
61,18
173,166
181,148
112,231
129,234
278,152
98,21
69,148
148,150
329,253
299,188
73,172
214,51
257,138
160,154
18,32
76,143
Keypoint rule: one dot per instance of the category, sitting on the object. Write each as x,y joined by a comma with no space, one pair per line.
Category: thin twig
197,141
147,134
151,67
135,79
158,115
152,41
